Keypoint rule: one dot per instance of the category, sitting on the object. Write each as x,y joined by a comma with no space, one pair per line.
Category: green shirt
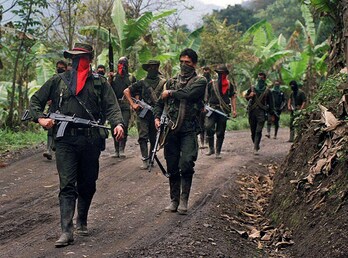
97,96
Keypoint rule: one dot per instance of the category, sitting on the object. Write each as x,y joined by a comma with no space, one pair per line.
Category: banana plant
128,31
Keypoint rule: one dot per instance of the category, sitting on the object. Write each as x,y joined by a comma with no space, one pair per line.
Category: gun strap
77,98
182,106
222,103
258,101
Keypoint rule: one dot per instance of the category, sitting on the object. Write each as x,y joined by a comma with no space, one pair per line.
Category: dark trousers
126,115
180,152
77,159
215,124
273,119
257,118
146,131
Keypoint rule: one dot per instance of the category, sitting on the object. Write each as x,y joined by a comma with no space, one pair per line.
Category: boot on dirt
268,135
83,205
144,149
202,141
122,147
292,136
67,209
174,184
275,132
211,149
186,183
219,143
117,150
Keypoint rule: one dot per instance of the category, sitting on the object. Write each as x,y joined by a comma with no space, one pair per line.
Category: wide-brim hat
149,63
79,49
222,69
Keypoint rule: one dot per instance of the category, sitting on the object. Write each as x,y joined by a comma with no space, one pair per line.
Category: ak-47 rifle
145,107
210,111
63,121
161,131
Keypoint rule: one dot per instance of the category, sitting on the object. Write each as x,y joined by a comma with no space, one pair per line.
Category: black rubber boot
144,149
219,142
67,209
186,183
275,132
292,136
257,143
211,149
83,205
122,147
174,184
117,149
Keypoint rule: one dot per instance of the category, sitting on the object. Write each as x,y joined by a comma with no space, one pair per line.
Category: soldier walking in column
260,104
279,102
296,102
119,82
221,96
182,100
82,94
147,90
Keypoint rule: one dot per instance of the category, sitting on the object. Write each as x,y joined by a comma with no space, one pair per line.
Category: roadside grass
10,141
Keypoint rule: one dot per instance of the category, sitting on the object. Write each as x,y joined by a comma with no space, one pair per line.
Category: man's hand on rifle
157,123
136,106
46,122
166,94
118,132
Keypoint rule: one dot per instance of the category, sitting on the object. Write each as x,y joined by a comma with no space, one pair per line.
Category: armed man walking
260,104
147,91
296,102
279,102
119,82
81,94
221,96
202,114
182,100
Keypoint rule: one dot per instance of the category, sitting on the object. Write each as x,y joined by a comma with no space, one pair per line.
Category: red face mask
120,69
224,83
82,73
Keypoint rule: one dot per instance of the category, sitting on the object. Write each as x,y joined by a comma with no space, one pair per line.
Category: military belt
88,132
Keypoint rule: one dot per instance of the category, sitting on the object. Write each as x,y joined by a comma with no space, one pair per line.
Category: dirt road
126,217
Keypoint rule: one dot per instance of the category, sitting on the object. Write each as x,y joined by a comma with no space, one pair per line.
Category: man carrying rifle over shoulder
80,94
221,97
182,100
147,91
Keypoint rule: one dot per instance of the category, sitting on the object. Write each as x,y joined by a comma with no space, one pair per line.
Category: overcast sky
222,3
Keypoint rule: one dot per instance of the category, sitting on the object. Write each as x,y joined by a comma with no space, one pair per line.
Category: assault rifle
211,110
63,121
145,107
161,131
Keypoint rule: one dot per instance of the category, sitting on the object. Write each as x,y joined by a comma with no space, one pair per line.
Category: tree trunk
10,121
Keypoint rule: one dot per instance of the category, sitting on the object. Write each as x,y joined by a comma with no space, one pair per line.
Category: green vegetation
10,140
